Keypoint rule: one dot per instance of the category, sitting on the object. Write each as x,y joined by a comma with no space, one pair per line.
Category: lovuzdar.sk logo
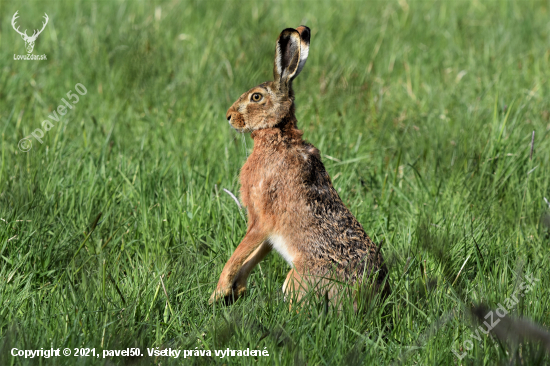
29,40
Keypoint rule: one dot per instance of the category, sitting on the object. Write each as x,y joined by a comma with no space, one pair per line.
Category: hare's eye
256,97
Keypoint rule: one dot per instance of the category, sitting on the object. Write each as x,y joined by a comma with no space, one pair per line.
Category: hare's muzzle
235,119
228,116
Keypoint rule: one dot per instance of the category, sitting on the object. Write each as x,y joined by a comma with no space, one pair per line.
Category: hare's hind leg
297,285
293,288
232,283
320,285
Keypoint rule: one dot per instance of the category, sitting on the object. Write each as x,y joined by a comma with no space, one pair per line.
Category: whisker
234,198
244,144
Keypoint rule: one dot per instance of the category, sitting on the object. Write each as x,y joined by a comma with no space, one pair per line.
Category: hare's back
330,232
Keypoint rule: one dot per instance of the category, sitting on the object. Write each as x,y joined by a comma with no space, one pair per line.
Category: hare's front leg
232,283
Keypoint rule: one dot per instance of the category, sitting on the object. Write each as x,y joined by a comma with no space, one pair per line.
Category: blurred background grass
423,111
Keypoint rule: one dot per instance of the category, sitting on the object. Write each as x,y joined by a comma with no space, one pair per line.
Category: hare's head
268,104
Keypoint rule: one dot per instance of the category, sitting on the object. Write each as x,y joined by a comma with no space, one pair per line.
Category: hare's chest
259,186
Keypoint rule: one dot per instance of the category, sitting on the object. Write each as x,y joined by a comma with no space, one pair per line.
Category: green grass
423,112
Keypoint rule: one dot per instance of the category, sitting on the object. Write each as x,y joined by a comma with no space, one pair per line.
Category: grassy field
423,111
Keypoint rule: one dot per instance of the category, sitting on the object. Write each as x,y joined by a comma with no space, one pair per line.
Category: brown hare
292,205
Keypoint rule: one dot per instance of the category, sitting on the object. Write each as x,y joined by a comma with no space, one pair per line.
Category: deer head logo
29,41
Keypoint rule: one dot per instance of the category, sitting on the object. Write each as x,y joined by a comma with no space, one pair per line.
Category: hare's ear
290,56
305,35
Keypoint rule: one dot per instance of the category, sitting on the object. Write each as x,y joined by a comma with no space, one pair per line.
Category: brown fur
292,205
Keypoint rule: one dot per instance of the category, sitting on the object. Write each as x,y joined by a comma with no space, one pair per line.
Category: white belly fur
279,244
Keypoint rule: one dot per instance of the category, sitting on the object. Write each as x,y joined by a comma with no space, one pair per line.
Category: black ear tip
305,32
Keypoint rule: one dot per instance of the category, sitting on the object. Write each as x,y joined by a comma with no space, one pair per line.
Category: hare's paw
227,294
